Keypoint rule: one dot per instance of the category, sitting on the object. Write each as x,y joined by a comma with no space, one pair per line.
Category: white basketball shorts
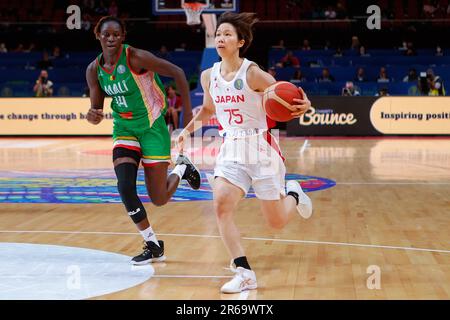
253,161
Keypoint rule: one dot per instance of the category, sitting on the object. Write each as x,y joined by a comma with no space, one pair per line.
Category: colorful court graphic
99,186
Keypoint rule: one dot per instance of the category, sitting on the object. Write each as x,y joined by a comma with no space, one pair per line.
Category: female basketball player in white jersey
249,155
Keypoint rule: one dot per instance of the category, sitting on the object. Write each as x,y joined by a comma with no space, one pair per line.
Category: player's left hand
181,140
302,105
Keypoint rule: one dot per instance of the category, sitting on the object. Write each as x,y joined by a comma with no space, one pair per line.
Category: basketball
278,97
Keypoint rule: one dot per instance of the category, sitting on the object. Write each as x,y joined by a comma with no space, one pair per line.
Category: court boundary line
304,146
362,245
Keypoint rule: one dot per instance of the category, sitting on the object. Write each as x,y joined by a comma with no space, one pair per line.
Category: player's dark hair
243,23
106,19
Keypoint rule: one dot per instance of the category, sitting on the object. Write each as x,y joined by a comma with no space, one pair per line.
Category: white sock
149,235
179,170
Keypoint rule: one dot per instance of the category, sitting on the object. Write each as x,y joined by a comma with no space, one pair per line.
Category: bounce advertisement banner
51,116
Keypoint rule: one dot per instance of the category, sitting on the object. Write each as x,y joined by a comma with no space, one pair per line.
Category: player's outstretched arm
141,59
207,110
96,94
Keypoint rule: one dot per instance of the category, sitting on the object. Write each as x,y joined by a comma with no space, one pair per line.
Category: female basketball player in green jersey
130,76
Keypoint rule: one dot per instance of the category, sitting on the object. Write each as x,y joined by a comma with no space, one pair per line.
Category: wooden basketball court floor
390,208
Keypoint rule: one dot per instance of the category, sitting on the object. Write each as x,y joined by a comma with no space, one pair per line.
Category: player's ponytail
243,23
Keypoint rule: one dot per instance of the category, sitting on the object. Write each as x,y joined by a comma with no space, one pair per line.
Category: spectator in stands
429,9
3,48
410,50
338,53
30,48
326,76
327,45
437,89
383,76
289,60
330,13
431,76
86,22
404,47
175,106
273,72
298,77
43,86
382,92
360,75
163,52
350,90
19,48
423,84
439,52
355,44
362,52
435,83
306,46
56,53
411,76
45,63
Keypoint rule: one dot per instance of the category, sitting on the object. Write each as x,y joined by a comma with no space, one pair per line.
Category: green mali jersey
138,99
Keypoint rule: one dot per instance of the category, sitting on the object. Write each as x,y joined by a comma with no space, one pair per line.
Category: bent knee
222,208
126,188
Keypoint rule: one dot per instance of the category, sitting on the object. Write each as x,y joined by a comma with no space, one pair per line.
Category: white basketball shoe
243,279
304,206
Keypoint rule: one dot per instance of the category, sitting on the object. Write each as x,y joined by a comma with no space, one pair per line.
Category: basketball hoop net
193,12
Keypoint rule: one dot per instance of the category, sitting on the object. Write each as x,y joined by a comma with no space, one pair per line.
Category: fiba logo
121,69
374,20
74,20
239,84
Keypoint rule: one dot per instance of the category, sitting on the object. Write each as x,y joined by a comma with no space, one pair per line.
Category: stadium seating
19,72
344,69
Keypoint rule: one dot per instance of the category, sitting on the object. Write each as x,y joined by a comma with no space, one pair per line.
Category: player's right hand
94,116
301,106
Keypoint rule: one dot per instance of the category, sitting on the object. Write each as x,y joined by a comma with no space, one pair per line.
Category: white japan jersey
239,109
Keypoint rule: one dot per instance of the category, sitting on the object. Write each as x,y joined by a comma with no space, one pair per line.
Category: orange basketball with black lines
278,97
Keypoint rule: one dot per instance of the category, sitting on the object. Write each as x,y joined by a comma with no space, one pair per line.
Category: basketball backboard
160,7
